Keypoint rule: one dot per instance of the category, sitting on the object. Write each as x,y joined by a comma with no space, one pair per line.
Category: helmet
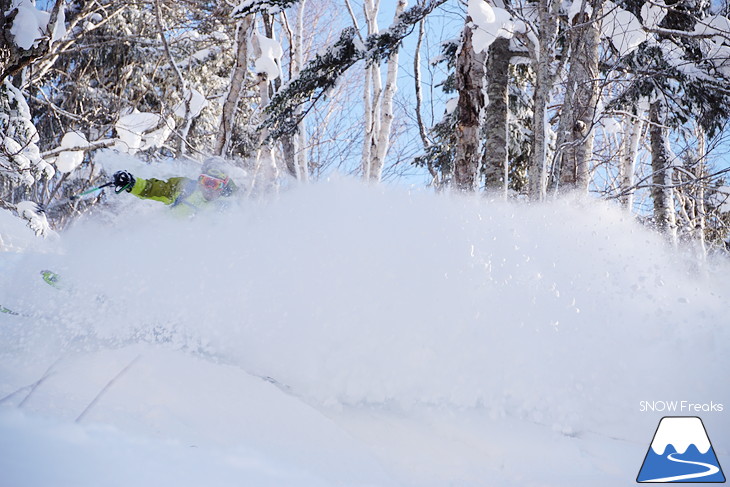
216,167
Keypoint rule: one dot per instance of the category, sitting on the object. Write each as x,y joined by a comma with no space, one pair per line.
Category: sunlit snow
346,334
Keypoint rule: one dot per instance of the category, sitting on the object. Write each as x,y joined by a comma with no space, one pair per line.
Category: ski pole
97,188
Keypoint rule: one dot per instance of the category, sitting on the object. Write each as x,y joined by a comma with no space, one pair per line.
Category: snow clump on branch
490,23
269,56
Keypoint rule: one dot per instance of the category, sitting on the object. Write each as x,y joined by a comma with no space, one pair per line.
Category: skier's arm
159,190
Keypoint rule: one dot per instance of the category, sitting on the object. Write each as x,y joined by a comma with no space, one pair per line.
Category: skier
187,196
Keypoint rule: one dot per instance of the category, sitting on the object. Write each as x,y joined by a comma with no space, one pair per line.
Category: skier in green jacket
187,196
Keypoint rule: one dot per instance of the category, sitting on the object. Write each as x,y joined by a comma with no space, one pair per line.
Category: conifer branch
321,74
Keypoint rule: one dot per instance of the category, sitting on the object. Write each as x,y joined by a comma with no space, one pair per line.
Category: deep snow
414,339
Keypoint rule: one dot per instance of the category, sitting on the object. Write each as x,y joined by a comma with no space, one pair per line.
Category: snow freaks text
682,407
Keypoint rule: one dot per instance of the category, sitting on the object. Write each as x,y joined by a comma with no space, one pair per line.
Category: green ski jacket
180,193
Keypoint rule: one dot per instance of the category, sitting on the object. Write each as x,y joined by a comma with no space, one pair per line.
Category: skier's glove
123,181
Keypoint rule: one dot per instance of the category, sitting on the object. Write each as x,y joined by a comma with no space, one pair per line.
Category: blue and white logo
681,452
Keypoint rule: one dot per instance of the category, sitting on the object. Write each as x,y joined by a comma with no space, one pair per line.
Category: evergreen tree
678,73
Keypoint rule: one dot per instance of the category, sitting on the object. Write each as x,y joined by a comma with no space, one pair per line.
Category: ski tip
5,310
51,278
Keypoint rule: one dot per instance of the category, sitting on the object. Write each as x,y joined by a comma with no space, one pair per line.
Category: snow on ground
344,334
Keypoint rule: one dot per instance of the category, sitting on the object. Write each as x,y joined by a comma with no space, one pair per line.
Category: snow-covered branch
271,7
99,144
322,73
27,34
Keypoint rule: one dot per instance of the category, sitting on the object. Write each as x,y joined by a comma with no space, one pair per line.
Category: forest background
624,100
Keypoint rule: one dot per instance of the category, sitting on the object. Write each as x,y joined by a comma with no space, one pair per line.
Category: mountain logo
681,452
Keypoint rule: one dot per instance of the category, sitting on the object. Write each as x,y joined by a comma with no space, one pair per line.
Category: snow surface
413,339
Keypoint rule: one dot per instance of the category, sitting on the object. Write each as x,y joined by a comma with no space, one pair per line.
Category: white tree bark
542,58
243,34
581,99
186,94
700,210
266,169
294,146
300,140
691,197
378,100
629,152
371,95
661,165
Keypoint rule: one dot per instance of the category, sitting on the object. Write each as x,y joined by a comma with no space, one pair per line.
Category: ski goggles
212,183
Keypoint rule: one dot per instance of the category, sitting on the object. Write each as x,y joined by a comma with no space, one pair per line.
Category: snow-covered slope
413,340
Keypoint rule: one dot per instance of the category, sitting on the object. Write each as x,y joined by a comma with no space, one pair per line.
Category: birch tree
470,79
323,71
496,150
691,196
267,52
543,56
378,99
21,162
628,154
238,77
576,130
661,164
294,146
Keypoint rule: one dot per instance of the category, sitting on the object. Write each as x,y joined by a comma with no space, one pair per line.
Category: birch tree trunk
300,139
266,169
542,60
581,99
497,117
629,151
661,191
186,93
470,78
690,196
700,210
371,94
386,109
230,105
293,146
378,100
